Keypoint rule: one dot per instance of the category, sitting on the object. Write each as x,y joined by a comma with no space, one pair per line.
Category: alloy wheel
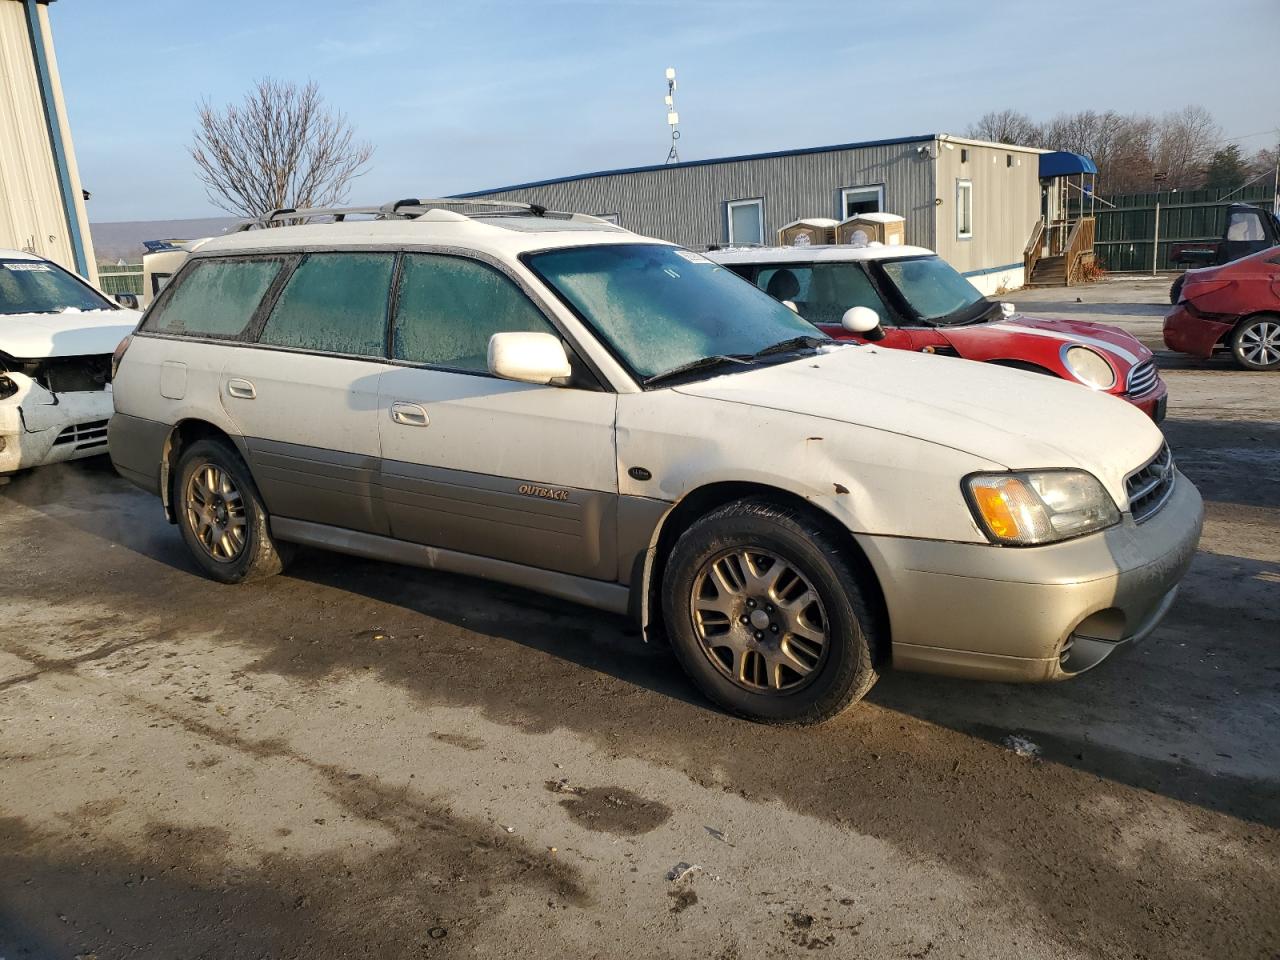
1260,343
759,620
216,513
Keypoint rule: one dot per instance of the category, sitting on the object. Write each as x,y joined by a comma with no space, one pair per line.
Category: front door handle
409,414
241,389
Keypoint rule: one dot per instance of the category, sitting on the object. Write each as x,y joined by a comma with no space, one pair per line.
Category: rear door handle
409,414
241,389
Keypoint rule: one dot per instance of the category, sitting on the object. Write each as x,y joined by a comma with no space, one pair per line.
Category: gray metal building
975,203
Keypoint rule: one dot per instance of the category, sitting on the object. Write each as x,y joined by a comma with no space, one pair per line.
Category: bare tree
1130,150
281,147
1185,144
1006,126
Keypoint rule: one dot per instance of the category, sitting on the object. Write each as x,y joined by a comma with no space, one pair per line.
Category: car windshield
38,286
661,308
935,290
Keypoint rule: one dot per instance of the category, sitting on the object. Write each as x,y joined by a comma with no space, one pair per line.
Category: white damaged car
57,335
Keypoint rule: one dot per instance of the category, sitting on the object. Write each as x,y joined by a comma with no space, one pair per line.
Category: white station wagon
554,402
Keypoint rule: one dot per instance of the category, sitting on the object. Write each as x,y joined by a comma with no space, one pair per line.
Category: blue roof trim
1064,164
986,270
834,148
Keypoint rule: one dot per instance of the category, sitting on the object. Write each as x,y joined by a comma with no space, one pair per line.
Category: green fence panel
1126,232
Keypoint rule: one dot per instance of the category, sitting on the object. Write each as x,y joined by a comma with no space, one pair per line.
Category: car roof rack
408,209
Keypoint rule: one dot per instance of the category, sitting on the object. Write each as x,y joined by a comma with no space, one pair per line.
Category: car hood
1120,345
1011,417
32,336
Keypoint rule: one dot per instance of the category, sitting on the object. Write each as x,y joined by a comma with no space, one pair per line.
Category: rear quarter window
215,298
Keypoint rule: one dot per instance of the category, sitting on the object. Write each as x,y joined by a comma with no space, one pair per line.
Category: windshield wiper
702,363
795,343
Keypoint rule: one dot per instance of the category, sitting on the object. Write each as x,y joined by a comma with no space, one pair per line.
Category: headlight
1024,509
1089,367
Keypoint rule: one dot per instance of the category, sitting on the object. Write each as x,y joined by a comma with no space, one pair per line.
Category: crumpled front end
38,426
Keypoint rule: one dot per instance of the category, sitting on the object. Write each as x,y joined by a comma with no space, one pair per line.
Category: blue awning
1064,164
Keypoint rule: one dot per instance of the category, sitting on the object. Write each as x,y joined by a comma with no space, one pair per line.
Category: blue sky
472,94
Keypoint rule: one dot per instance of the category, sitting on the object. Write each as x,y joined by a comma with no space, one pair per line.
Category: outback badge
546,493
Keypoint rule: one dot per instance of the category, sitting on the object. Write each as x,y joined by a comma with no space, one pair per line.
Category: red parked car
924,304
1233,307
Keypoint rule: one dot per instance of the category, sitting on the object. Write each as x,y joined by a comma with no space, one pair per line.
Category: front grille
1150,487
83,436
1142,379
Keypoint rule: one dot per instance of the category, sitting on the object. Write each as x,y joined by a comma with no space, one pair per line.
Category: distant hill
123,240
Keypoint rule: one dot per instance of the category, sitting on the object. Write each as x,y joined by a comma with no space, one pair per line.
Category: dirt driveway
358,759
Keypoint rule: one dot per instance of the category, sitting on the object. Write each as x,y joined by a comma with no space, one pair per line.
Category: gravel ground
358,759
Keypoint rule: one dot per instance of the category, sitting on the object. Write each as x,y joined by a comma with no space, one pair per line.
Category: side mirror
1007,309
528,357
129,300
863,321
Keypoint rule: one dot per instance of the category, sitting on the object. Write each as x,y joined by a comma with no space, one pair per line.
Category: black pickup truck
1246,229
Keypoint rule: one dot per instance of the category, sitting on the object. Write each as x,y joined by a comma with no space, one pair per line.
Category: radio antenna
673,118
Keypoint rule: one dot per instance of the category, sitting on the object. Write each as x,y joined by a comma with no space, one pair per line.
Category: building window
746,221
964,208
856,200
964,155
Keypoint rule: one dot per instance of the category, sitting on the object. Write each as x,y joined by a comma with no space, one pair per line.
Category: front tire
767,615
222,517
1255,343
1175,288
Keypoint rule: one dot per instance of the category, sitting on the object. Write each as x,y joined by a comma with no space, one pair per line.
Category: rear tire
222,517
767,615
1175,288
1255,342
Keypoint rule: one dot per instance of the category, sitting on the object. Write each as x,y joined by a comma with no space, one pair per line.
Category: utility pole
1275,188
1155,244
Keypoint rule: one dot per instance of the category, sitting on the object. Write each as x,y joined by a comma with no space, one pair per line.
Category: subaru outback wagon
554,402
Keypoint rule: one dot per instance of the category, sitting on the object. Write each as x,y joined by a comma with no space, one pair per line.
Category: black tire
258,556
846,669
1175,288
1255,342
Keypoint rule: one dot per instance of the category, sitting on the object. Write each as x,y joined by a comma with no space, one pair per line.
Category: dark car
1233,307
1246,230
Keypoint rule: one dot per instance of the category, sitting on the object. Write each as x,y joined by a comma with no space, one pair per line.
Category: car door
305,396
1246,233
473,463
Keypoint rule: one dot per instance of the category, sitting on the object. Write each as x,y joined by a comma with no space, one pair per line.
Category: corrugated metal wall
1006,206
31,208
686,204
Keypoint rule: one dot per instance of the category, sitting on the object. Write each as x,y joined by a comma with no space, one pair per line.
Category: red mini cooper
920,302
1233,307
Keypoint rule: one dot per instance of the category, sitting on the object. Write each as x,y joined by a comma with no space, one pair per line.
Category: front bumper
1187,331
1034,613
38,427
1154,402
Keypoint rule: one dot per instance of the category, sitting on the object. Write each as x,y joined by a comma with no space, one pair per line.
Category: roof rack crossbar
537,209
289,213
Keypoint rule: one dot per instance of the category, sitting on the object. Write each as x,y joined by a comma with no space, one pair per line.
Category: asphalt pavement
366,760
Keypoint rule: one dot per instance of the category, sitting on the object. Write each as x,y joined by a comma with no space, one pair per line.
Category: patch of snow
1021,746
